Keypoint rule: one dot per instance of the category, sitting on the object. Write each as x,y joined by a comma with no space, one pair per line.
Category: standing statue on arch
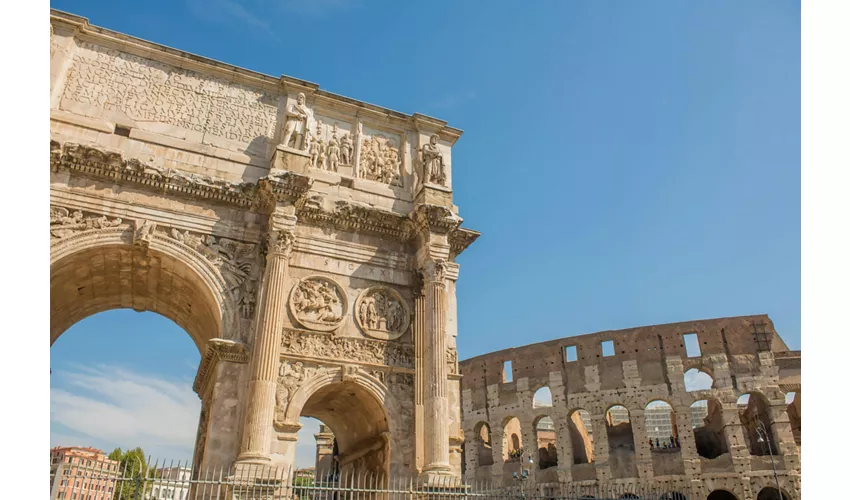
298,118
433,167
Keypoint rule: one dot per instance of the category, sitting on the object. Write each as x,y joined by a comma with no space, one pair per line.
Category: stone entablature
742,355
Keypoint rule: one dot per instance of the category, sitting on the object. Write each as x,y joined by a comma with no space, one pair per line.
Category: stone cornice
354,216
218,350
109,165
461,238
435,218
280,185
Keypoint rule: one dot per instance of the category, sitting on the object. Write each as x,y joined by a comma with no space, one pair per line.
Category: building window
571,352
608,348
507,372
692,349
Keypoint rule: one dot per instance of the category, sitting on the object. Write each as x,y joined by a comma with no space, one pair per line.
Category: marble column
434,376
420,381
265,358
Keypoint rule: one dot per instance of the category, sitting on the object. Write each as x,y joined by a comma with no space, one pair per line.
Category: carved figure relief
143,231
451,359
64,222
318,303
382,313
297,122
347,150
290,377
380,160
433,167
347,348
234,259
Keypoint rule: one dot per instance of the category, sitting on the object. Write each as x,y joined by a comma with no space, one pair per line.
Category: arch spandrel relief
382,313
318,303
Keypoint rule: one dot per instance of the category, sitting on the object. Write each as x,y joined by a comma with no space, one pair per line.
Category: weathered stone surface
256,212
717,446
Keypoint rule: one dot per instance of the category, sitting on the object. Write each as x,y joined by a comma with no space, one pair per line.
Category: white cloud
109,406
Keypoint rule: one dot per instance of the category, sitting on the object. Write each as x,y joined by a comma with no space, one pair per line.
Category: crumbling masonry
605,388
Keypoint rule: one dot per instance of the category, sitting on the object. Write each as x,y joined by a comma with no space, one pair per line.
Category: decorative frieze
65,222
323,346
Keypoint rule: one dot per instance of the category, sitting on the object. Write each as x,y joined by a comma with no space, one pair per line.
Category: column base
250,459
436,475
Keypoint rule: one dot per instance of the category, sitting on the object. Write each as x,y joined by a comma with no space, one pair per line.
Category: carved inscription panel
149,91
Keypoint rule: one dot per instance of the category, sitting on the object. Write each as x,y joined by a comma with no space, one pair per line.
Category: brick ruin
687,407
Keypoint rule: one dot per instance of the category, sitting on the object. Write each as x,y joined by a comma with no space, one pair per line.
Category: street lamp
764,436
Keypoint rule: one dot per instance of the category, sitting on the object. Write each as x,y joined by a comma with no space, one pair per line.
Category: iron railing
160,481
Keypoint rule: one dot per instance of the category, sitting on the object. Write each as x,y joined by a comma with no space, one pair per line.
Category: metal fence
159,481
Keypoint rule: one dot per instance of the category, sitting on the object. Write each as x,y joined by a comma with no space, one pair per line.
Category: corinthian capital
280,242
434,271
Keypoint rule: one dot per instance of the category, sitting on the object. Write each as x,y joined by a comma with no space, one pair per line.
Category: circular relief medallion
382,313
318,303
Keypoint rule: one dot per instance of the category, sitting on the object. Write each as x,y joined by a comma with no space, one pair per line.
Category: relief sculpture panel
382,313
318,303
155,93
380,157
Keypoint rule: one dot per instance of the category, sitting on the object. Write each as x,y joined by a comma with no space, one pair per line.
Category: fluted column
434,376
419,326
265,358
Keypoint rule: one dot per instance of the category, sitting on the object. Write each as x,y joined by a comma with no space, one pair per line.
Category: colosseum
701,409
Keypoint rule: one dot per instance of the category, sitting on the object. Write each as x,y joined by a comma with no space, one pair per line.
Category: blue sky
628,163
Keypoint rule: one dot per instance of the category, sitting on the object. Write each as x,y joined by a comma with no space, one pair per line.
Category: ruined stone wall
743,355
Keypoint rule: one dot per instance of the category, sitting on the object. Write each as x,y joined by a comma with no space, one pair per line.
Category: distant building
170,483
83,473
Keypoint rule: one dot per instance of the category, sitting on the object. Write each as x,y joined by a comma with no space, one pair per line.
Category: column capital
279,243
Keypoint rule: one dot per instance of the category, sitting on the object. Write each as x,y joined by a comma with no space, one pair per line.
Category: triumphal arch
304,240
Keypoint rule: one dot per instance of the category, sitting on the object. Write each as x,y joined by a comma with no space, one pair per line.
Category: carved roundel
318,303
382,313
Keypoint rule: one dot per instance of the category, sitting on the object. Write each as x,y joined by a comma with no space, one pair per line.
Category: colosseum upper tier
698,406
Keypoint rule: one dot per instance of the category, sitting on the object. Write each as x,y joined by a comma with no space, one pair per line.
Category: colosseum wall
742,382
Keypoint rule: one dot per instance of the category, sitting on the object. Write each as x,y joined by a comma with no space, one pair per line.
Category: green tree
132,465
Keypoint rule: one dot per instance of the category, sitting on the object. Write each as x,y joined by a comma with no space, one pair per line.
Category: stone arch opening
792,402
707,423
618,425
621,442
512,439
698,380
359,424
542,398
102,278
484,446
754,412
101,272
721,495
581,436
771,493
660,424
547,449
